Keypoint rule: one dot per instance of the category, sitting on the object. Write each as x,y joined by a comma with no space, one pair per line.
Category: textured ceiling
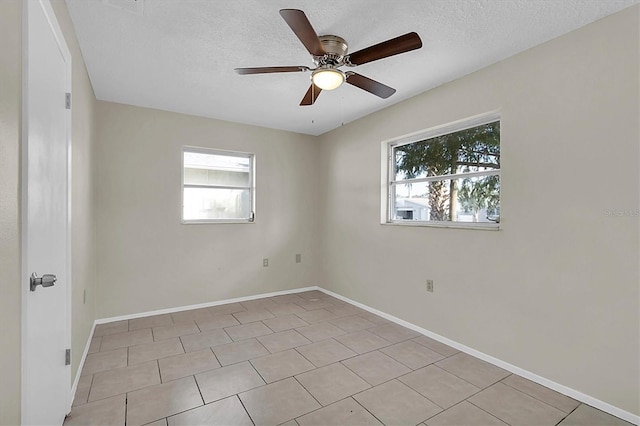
180,54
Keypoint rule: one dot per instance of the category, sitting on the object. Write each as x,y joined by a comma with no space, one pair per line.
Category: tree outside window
452,177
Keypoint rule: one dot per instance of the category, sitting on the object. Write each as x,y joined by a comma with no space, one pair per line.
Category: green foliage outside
470,150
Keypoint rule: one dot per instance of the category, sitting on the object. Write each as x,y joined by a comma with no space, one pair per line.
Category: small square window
217,186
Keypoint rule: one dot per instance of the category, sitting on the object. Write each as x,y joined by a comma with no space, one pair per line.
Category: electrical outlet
298,258
265,262
430,286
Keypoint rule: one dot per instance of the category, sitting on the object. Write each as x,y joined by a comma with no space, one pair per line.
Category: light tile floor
300,359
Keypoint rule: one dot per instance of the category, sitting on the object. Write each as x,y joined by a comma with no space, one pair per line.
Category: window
447,176
217,186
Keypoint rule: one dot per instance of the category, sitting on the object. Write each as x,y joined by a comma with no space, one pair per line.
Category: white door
46,380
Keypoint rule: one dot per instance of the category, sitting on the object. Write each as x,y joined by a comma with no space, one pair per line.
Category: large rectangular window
217,186
448,175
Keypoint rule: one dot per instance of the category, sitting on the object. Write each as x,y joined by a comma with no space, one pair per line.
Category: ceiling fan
330,52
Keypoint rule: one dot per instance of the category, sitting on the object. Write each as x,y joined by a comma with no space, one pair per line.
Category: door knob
47,280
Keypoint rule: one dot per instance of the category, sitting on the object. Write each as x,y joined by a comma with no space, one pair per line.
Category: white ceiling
180,54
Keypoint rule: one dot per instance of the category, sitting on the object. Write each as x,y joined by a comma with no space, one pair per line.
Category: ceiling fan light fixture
330,52
327,78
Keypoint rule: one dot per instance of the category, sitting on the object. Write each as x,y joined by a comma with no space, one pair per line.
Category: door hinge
67,357
67,100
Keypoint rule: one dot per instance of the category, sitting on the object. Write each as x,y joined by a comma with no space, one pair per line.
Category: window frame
251,188
388,182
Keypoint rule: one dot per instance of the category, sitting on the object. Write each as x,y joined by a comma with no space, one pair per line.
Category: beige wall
10,299
148,260
83,246
556,290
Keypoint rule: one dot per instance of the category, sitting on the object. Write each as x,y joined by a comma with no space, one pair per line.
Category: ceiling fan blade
371,86
395,46
267,70
297,20
311,95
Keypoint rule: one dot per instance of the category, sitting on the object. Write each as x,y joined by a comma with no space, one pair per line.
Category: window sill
216,222
458,225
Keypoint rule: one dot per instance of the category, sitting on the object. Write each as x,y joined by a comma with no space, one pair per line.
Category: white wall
83,246
148,260
556,290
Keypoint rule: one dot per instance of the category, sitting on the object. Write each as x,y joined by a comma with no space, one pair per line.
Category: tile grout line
469,402
443,408
310,394
534,397
569,413
482,409
215,357
444,355
302,355
182,344
175,414
90,386
464,380
258,373
197,326
386,381
237,395
126,406
424,396
199,391
330,338
365,408
336,402
450,372
159,372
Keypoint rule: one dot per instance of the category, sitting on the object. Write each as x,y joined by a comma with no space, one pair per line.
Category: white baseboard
74,387
577,395
203,305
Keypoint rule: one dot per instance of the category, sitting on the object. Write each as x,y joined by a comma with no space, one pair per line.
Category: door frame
47,8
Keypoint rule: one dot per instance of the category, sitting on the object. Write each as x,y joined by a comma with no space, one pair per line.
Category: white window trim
252,189
387,183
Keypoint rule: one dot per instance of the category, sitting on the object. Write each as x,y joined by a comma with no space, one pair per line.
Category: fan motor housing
335,47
